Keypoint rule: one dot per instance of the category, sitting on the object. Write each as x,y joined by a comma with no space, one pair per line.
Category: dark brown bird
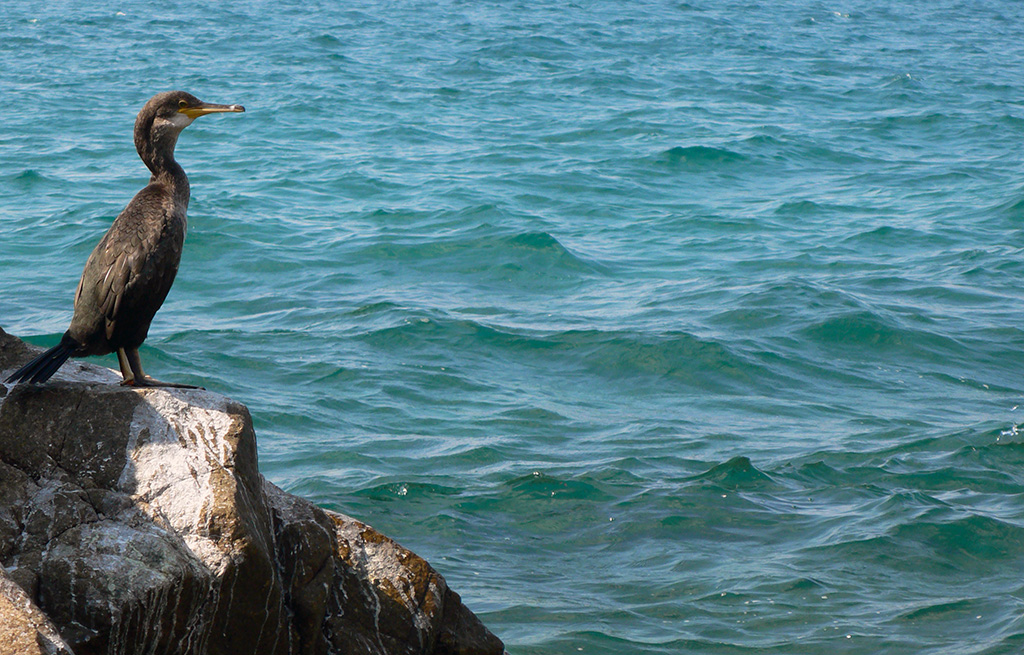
129,273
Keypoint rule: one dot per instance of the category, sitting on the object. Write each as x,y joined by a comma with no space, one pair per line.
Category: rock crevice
136,521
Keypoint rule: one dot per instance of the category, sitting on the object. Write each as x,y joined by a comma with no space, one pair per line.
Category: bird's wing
118,262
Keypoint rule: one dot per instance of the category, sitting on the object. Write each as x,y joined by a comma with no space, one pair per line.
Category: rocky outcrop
136,521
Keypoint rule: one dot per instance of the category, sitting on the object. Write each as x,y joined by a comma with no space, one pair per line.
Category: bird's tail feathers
45,365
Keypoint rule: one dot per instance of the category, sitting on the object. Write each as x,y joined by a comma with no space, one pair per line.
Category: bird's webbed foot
131,370
150,382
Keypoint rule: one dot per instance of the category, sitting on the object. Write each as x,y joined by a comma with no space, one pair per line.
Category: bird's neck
158,155
173,177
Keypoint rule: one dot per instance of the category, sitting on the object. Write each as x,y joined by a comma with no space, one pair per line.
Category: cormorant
129,273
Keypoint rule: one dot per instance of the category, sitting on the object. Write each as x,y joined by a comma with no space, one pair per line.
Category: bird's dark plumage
129,273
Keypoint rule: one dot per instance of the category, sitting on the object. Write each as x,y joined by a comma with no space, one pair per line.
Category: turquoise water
658,327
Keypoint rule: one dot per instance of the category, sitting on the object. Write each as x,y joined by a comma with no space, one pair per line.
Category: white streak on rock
384,561
171,480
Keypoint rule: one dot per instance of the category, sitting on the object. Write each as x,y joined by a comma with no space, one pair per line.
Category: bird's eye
182,104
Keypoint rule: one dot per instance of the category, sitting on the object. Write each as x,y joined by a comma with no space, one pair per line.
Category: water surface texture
657,326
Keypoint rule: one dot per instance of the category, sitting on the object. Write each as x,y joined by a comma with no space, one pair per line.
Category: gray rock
136,521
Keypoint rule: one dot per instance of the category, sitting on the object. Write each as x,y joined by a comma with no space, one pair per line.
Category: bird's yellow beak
209,108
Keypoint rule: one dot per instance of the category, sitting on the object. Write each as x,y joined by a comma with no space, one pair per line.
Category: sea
656,326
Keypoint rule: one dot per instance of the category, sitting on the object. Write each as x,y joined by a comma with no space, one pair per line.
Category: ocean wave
700,157
864,328
737,474
539,485
944,610
1014,207
537,255
612,354
896,238
30,179
971,541
406,491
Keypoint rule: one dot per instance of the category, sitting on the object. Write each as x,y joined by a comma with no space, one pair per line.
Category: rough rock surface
24,629
136,521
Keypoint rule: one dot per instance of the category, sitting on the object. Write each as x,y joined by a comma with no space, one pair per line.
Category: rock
24,629
414,610
136,521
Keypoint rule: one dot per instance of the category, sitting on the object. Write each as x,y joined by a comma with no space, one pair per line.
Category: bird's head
179,109
163,118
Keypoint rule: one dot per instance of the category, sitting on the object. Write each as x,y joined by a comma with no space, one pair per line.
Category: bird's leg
126,371
139,378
